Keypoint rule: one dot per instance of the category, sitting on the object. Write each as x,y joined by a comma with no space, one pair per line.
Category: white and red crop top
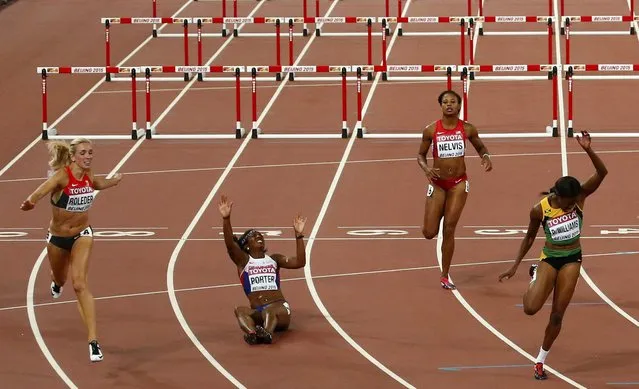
449,143
260,274
77,196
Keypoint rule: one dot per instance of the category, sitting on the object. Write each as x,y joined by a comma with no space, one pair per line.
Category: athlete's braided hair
566,186
242,241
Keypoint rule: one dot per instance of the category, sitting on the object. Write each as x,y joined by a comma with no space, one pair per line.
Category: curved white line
170,272
488,326
311,285
33,323
564,168
312,237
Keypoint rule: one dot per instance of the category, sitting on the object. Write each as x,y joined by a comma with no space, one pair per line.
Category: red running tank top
449,143
77,196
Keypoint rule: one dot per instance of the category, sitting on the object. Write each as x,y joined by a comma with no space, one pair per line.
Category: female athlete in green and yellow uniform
560,213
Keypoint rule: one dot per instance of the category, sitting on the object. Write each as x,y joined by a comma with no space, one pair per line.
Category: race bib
262,278
450,146
564,227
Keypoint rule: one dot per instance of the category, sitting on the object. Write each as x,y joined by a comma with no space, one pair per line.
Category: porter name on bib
260,274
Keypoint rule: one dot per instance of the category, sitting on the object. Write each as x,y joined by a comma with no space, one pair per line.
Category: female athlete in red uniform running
448,188
260,277
72,185
561,214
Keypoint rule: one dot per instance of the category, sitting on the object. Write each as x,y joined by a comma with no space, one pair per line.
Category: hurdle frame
551,73
570,77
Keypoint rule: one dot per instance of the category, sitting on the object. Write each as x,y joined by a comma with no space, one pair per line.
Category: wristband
486,155
299,236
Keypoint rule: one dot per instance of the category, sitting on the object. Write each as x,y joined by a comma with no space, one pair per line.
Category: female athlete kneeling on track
561,214
72,185
260,277
448,188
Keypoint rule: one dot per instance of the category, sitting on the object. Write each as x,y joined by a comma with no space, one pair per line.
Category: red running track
381,289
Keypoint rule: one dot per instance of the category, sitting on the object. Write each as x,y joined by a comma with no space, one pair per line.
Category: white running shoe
56,290
95,352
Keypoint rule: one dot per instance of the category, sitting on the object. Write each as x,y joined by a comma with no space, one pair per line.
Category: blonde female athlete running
448,188
560,213
72,186
260,277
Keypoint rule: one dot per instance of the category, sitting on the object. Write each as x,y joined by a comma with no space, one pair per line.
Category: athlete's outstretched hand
584,140
487,163
298,224
507,275
225,206
27,205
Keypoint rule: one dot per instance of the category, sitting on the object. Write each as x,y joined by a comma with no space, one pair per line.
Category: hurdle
343,70
551,73
277,22
570,77
149,74
567,21
630,18
134,73
229,19
109,21
570,19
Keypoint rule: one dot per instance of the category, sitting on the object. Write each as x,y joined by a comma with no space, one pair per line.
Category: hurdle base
384,76
239,133
47,132
632,30
155,33
291,76
255,132
344,132
318,32
224,32
305,31
388,33
278,76
200,77
370,76
481,31
400,31
235,32
361,131
107,77
570,132
148,133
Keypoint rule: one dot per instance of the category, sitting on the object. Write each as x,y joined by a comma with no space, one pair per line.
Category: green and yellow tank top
561,228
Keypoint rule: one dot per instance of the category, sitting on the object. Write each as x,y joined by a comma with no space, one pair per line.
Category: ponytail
551,190
566,186
60,154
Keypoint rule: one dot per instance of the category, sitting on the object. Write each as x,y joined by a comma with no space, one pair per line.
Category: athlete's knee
429,233
449,227
241,311
530,308
556,318
79,284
